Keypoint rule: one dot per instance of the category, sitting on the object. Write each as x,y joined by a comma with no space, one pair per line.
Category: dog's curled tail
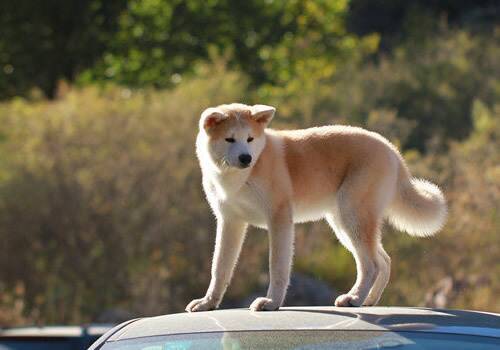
418,207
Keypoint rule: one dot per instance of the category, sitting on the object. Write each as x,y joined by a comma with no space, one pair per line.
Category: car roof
56,331
316,318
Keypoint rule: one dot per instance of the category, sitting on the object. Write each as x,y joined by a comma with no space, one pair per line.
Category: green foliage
271,41
285,45
428,87
399,21
46,41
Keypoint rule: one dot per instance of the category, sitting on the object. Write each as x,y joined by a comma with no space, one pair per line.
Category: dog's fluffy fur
352,177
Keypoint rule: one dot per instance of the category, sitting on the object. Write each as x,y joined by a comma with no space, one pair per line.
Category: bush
100,198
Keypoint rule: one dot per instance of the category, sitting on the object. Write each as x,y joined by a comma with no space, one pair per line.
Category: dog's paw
264,304
203,304
348,300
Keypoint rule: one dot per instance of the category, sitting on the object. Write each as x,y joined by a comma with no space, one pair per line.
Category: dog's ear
263,114
211,117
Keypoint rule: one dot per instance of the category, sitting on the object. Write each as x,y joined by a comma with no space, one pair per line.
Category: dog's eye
250,139
230,139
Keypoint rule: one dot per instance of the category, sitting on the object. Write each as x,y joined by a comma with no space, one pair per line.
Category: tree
45,41
159,40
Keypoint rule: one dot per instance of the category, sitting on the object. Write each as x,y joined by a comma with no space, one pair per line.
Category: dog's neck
229,181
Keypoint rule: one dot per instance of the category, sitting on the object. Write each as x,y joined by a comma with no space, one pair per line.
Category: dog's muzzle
245,160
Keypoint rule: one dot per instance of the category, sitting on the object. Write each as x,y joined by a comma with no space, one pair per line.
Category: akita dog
272,179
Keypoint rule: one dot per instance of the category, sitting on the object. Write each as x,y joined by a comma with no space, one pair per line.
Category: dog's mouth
225,163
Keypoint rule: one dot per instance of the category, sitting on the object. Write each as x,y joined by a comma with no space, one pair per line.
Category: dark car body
51,337
310,327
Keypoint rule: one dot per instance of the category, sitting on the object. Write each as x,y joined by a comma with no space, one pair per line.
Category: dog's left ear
211,117
263,114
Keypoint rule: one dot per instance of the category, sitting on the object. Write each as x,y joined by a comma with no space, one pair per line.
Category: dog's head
235,133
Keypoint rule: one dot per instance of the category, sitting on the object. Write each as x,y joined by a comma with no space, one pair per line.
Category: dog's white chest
246,201
250,205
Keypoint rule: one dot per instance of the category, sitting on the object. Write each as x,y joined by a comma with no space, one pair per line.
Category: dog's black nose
245,159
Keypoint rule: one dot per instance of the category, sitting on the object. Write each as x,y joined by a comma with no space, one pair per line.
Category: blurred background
102,215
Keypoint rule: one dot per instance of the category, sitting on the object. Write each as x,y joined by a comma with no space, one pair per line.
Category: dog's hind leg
357,227
384,263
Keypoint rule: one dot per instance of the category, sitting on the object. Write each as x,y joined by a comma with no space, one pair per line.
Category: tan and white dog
272,179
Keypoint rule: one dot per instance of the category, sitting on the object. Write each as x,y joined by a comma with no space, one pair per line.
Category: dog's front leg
230,236
281,238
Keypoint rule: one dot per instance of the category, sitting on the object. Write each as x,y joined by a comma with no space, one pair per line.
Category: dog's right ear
210,118
262,114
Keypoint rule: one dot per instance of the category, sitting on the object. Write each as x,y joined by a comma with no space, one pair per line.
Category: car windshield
313,339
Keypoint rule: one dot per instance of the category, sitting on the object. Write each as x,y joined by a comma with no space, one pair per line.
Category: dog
273,179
